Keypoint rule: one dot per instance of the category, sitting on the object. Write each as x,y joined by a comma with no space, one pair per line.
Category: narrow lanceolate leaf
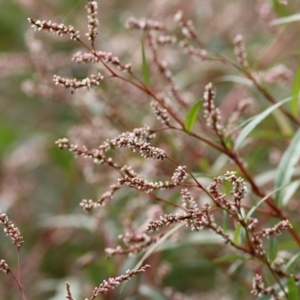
158,243
253,209
285,20
272,248
225,221
191,117
255,121
293,187
287,166
151,293
292,263
293,293
234,78
296,93
237,234
145,66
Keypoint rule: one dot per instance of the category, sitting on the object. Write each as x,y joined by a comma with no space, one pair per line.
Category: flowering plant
143,120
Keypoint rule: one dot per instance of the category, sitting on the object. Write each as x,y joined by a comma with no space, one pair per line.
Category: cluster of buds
198,54
97,155
59,29
180,175
238,191
277,229
135,243
256,240
187,26
88,205
258,235
197,222
140,183
188,200
4,266
160,113
144,24
143,134
96,56
133,140
220,198
93,21
74,84
259,289
239,188
129,171
112,283
239,51
109,284
196,219
129,140
212,114
11,230
279,74
165,39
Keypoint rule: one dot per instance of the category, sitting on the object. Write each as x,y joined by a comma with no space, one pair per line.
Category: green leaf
237,234
283,122
145,67
291,263
236,79
272,248
151,293
270,134
159,242
285,20
296,93
281,9
287,166
229,257
225,221
191,117
255,121
253,209
293,187
293,292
